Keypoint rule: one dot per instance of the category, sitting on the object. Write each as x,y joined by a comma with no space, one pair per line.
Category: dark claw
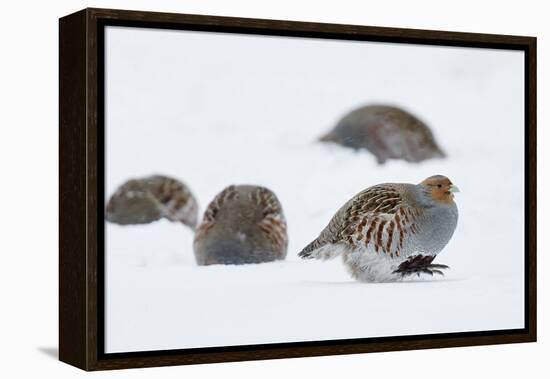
420,264
438,266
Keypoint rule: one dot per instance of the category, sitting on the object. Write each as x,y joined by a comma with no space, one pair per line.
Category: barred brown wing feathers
173,198
379,219
355,215
273,224
213,209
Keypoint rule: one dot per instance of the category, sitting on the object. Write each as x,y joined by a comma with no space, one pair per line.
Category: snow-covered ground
214,110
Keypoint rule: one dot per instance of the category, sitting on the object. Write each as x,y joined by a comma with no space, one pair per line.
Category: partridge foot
420,264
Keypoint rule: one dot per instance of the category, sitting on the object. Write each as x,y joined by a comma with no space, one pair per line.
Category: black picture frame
81,183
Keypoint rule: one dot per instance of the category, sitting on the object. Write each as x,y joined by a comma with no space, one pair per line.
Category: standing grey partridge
243,224
387,132
144,200
391,230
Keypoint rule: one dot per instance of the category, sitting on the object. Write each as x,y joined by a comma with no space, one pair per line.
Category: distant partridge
390,231
243,224
387,132
141,201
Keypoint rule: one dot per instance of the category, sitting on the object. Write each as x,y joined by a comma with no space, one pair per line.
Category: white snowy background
214,110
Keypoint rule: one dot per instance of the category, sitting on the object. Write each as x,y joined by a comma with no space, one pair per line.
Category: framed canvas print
238,189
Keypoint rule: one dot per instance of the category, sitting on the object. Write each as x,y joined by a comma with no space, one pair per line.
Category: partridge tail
319,249
327,245
306,251
329,137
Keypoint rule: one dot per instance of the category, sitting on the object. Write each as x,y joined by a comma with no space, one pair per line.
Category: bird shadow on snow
324,283
432,280
396,283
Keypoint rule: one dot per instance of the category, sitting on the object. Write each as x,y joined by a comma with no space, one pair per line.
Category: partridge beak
453,188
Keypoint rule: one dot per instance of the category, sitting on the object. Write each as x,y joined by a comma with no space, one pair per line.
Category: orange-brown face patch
440,187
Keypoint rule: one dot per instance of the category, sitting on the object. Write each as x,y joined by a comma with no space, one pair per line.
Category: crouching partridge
390,231
387,132
144,200
243,224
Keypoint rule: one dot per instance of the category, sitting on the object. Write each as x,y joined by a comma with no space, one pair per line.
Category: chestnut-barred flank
243,224
384,225
366,220
144,200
